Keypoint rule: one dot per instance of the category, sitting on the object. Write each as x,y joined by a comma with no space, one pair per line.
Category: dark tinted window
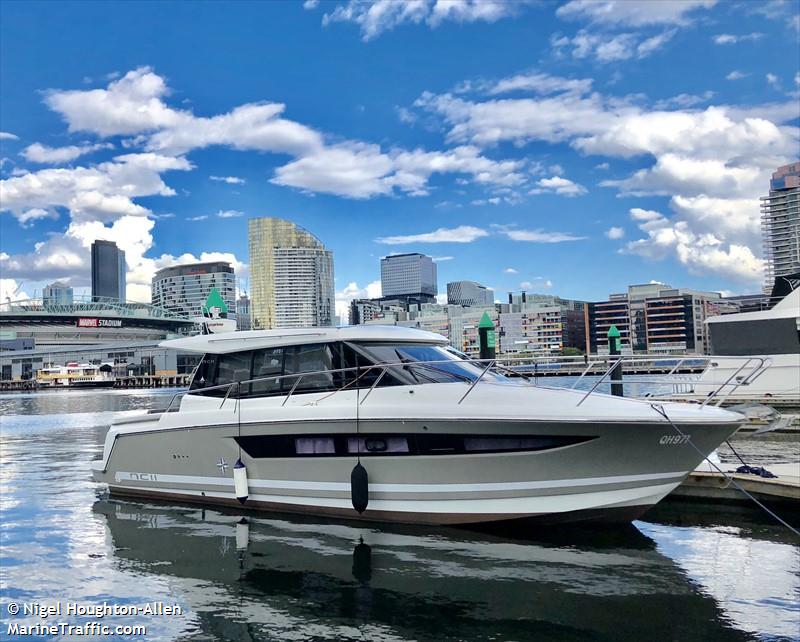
448,365
316,358
267,363
233,367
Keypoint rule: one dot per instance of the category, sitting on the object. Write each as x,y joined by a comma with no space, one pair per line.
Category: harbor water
680,574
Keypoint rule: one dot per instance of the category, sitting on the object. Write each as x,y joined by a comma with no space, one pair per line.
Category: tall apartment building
780,224
291,276
57,294
108,271
469,293
409,275
184,288
654,318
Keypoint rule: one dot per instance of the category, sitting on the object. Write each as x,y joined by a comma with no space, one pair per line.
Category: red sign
87,323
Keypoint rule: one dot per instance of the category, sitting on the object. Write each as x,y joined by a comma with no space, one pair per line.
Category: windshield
431,363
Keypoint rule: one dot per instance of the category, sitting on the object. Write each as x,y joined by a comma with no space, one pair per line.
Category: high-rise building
243,313
57,294
185,288
780,224
411,274
469,293
291,276
108,271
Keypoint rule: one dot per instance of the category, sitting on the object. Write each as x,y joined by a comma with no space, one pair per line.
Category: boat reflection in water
272,578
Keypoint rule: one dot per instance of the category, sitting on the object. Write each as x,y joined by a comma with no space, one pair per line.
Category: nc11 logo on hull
151,477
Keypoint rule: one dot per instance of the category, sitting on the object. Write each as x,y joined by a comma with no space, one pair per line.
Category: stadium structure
34,332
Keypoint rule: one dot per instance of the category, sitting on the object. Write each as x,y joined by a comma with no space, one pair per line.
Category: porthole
375,445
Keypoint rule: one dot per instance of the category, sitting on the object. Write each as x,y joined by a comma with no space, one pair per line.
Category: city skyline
632,146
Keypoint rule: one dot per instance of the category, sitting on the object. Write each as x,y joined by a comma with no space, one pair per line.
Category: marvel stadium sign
91,322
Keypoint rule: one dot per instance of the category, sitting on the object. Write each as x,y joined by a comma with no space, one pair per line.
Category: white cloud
602,166
535,236
8,136
359,170
26,217
377,16
540,83
773,81
230,180
615,233
135,106
558,185
700,253
310,4
229,214
100,192
352,291
737,75
201,217
460,234
731,39
11,289
511,271
38,153
634,13
606,48
684,100
439,259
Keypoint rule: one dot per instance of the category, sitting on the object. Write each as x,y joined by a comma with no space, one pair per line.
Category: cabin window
232,368
311,358
267,363
205,375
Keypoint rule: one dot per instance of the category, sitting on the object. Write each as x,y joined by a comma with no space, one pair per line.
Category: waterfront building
243,321
291,276
409,275
780,224
183,289
655,318
108,271
57,294
469,293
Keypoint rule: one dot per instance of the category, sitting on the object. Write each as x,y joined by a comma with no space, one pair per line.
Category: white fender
240,481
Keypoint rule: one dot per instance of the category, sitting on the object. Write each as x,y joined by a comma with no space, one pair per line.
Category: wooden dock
707,485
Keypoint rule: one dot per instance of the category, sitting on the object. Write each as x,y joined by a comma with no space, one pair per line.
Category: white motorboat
754,338
396,424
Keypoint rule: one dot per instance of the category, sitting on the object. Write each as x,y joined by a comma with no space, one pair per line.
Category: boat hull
614,472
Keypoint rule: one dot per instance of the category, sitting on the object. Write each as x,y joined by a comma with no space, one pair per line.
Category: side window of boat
231,368
267,362
205,374
313,357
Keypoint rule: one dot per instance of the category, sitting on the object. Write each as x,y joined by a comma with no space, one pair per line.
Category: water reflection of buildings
321,580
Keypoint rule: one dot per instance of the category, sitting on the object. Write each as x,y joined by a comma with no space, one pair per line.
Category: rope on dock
660,410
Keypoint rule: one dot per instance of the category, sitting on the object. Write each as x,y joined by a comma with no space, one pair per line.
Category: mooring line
660,410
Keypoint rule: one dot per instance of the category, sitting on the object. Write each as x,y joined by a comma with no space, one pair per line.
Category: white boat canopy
256,339
787,308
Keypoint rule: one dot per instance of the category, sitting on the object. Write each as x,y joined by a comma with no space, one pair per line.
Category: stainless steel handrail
599,381
489,364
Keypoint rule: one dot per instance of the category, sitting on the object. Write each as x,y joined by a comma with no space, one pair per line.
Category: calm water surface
677,576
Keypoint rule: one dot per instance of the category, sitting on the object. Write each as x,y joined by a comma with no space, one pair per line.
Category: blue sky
565,147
